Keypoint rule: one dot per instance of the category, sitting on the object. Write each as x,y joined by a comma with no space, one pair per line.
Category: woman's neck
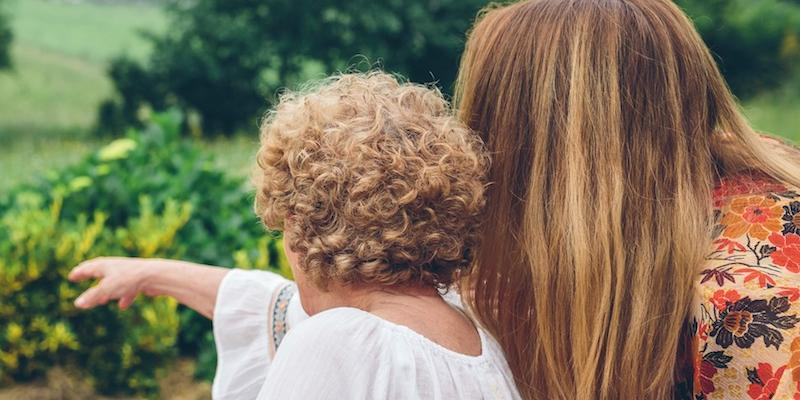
420,309
367,298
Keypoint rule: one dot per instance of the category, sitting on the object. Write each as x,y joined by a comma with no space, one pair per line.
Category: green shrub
149,195
5,38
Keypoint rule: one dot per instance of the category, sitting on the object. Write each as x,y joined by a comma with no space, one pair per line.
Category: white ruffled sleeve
253,312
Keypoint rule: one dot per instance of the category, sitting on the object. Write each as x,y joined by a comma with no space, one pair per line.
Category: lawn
777,112
48,100
61,51
89,31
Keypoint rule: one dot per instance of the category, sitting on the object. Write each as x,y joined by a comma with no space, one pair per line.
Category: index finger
87,269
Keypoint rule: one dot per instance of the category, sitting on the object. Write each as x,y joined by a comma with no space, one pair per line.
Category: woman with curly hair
379,191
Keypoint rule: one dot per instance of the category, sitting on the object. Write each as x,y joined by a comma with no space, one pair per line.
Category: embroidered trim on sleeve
279,308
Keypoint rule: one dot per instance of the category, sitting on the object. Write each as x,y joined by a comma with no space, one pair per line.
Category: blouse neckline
408,332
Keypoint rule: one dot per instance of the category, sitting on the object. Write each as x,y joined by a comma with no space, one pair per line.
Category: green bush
149,195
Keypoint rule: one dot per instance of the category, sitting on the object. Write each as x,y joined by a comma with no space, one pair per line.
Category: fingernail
80,302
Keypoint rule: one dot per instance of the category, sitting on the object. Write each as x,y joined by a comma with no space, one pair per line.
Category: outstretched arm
251,310
123,279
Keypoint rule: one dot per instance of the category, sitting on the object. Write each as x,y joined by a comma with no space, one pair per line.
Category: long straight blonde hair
608,123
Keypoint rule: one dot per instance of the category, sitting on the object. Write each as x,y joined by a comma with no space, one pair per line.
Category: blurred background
128,127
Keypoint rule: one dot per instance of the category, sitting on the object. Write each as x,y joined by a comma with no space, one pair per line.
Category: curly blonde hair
380,183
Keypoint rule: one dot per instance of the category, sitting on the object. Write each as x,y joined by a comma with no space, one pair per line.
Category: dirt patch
61,384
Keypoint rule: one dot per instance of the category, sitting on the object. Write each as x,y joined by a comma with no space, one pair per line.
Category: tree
226,58
5,39
756,42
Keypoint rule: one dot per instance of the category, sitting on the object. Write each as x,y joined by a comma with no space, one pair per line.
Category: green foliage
38,323
5,38
148,195
757,42
223,58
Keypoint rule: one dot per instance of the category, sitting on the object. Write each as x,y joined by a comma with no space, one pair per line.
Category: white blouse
341,353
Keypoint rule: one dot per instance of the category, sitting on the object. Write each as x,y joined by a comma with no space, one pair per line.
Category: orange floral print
756,216
787,252
763,279
745,184
722,298
794,365
742,340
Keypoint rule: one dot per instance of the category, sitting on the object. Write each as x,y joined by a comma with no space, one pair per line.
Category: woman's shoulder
350,353
358,333
756,236
337,325
330,355
745,325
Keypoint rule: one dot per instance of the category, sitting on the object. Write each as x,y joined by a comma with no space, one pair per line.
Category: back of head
608,122
374,180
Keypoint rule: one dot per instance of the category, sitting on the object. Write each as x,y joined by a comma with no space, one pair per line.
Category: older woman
379,190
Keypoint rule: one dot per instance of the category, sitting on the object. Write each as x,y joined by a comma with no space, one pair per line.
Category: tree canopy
225,60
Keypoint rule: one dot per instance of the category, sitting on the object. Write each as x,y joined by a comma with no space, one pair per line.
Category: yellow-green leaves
116,150
150,232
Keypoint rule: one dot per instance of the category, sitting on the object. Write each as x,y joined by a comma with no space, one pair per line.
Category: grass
49,91
46,110
93,32
49,99
777,112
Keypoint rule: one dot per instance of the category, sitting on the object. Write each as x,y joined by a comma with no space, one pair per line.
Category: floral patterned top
744,328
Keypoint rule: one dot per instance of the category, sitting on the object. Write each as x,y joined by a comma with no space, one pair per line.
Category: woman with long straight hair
610,126
641,241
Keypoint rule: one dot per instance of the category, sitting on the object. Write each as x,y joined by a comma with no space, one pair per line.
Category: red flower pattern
787,253
793,293
722,298
745,184
730,245
762,278
764,385
746,316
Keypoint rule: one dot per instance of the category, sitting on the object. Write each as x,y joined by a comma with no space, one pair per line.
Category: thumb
92,297
87,270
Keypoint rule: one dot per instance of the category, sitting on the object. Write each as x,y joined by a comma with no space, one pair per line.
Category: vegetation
222,59
244,51
49,99
150,194
757,42
57,194
91,31
5,38
776,111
